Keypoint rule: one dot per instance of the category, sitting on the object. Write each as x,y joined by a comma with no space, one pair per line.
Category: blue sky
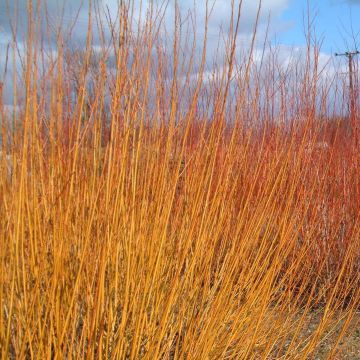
336,22
334,18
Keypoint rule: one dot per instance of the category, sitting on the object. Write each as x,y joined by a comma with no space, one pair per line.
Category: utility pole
1,96
352,94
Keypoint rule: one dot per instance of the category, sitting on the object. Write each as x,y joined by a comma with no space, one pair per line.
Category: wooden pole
352,94
1,97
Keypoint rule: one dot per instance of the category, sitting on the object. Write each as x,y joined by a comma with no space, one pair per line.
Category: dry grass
161,217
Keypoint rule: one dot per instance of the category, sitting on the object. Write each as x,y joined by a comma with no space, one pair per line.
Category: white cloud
221,12
220,19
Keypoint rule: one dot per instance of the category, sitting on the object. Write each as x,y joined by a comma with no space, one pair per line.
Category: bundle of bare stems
151,208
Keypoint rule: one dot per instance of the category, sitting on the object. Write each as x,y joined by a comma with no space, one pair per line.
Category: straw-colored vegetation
150,213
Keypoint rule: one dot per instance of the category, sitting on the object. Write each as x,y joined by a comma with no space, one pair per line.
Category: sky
336,22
